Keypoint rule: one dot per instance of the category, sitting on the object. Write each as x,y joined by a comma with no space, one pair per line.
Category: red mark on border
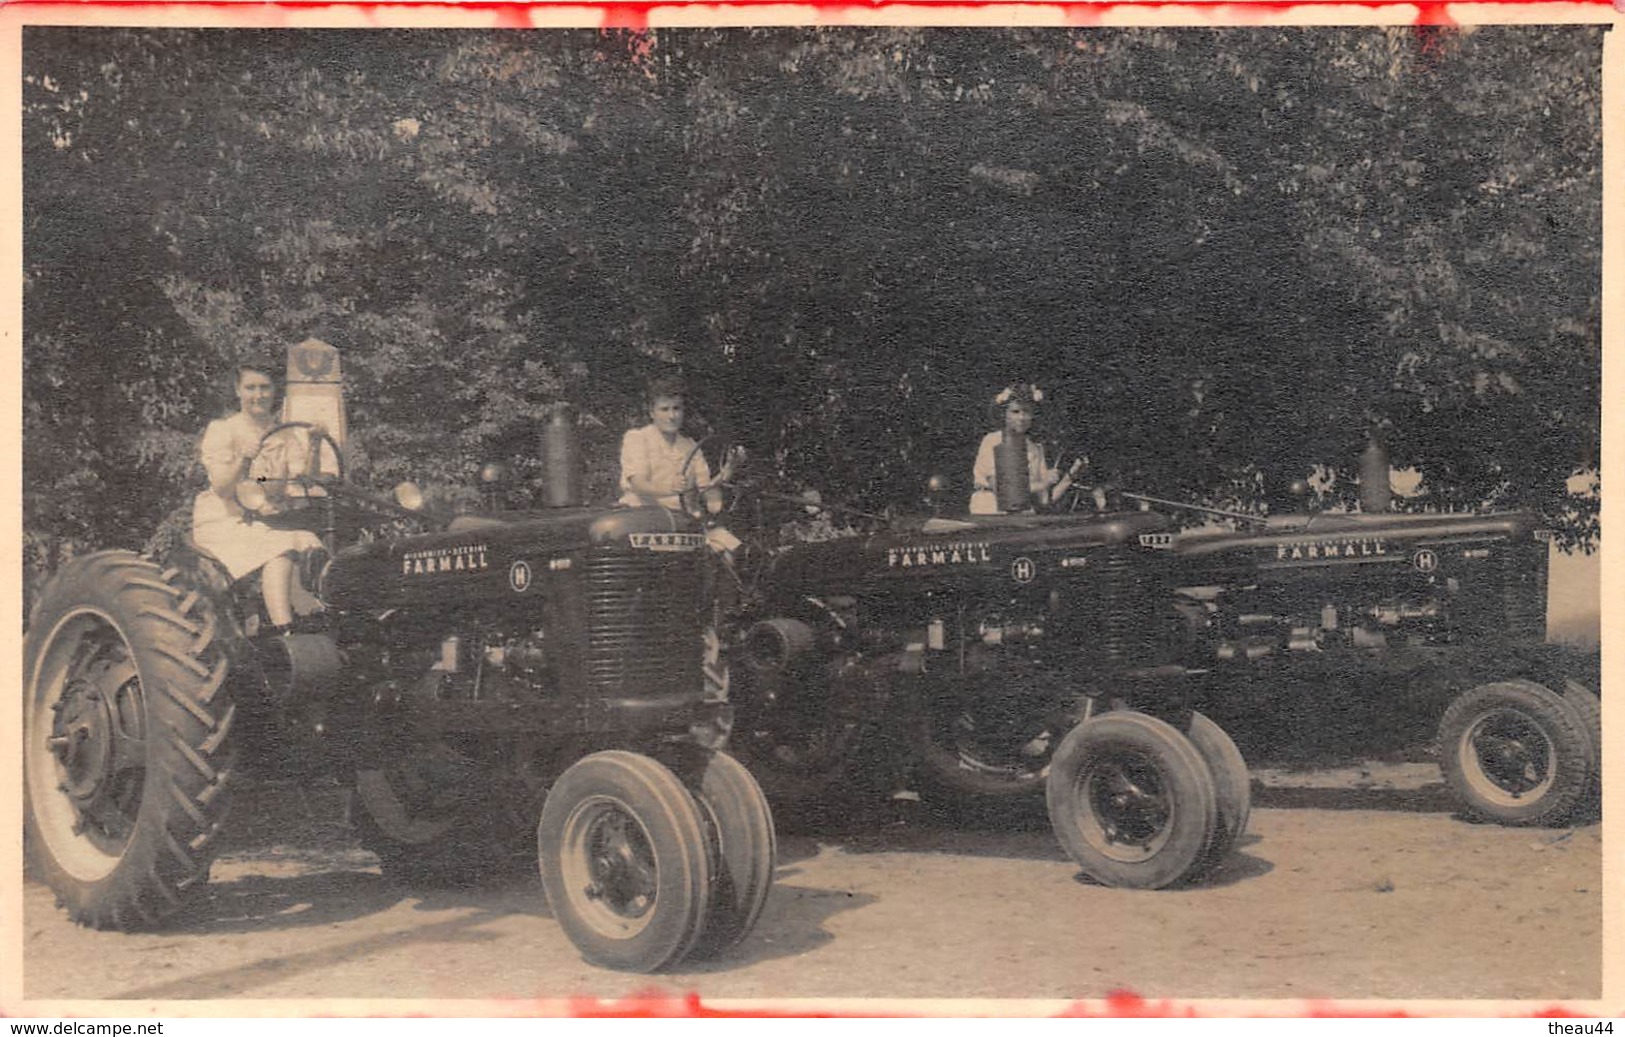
1118,1004
635,14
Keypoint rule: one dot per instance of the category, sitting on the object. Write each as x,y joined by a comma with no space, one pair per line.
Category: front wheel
1232,785
743,847
624,861
1516,753
1132,801
126,739
1588,707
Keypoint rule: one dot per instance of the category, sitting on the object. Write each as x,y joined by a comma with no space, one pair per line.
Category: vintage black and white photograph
812,512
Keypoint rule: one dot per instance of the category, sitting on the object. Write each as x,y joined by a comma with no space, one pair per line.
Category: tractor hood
488,557
1300,541
970,546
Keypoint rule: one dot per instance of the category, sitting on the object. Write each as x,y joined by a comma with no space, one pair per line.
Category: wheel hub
620,875
87,758
1511,754
80,740
1129,813
96,735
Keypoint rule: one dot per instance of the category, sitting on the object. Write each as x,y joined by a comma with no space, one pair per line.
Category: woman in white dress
230,445
1016,404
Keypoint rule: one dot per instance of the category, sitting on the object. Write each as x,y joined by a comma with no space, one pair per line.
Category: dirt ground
1352,883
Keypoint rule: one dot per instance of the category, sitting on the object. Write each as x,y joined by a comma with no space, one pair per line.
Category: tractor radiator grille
1523,588
1129,634
643,624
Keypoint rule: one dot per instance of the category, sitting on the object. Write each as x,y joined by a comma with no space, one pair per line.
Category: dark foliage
1217,250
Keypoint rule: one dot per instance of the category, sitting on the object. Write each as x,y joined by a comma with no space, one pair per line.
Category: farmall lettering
1316,550
458,559
667,541
968,552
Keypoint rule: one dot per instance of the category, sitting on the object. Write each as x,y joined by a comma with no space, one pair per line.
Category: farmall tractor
1400,601
1002,656
510,683
1065,652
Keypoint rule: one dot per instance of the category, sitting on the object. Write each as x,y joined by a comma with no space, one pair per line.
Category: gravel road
1355,883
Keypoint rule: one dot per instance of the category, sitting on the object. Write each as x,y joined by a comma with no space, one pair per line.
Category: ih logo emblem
1022,570
519,577
1425,561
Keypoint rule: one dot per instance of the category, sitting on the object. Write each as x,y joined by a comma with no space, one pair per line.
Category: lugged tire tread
171,616
184,800
152,583
179,852
186,702
217,680
162,887
217,737
183,669
182,658
192,756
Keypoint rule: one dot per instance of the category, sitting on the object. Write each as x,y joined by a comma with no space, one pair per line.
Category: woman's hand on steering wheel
310,472
690,491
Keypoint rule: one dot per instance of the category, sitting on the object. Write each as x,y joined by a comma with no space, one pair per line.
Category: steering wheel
730,450
1076,492
306,475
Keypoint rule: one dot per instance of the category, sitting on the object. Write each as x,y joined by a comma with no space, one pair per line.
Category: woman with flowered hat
1014,406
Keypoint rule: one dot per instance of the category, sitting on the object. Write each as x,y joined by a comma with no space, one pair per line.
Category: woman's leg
276,581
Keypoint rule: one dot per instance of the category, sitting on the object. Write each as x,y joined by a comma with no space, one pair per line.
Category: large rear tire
744,851
1516,753
127,758
796,729
988,746
624,861
1132,801
429,829
1232,785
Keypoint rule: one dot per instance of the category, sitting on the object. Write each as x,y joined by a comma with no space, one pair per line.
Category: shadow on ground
792,923
1429,799
242,979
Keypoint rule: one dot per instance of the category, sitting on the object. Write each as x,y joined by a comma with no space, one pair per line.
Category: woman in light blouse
654,456
1015,405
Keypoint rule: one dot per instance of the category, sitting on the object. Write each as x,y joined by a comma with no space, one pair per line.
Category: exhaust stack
1010,475
561,459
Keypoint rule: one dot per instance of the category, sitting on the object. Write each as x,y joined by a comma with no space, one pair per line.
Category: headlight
408,496
251,495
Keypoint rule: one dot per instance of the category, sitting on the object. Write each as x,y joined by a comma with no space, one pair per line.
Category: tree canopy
1217,250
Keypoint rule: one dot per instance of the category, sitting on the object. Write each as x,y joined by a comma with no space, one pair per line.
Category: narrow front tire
1232,786
624,861
743,847
1132,801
